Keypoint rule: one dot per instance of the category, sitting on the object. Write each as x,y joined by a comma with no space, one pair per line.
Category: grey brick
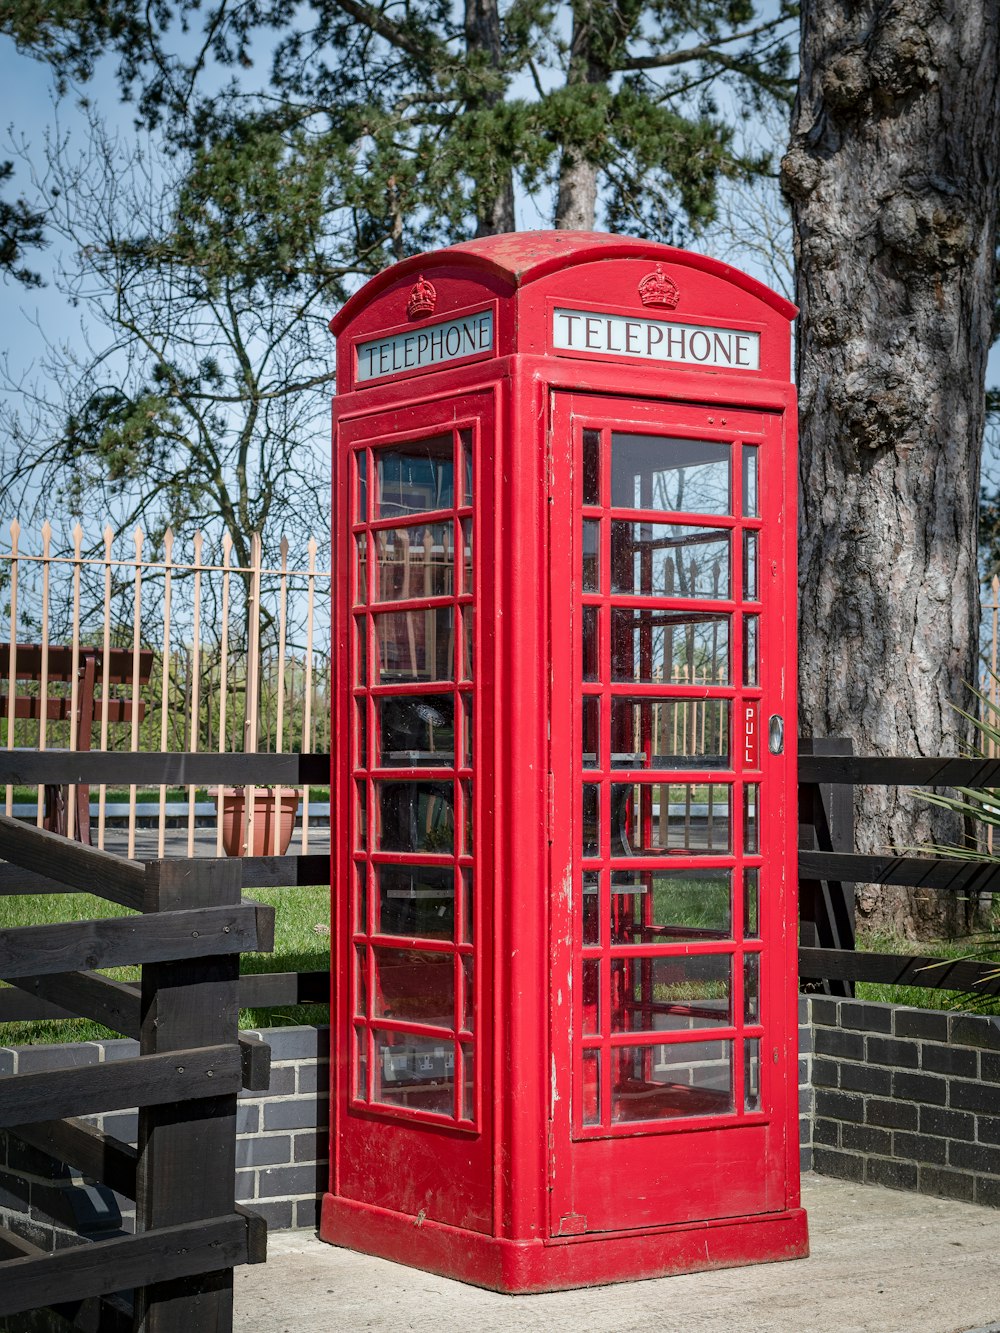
893,1051
987,1129
803,1011
866,1139
989,1067
33,1059
827,1132
803,1070
805,1039
823,1010
892,1174
246,1185
948,1124
976,1157
920,1148
279,1214
299,1043
841,1045
805,1159
296,1113
275,1182
263,1149
925,1023
123,1049
307,1213
8,1060
988,1192
840,1105
309,1147
868,1017
247,1117
969,1096
843,1165
982,1030
825,1073
282,1083
866,1078
957,1060
919,1087
805,1131
806,1096
947,1184
314,1076
890,1114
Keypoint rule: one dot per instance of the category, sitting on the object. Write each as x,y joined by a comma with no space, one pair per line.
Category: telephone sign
565,1012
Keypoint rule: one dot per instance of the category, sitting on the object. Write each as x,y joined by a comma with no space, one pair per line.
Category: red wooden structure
564,766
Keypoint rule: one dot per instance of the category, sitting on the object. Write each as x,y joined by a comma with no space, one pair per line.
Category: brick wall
908,1098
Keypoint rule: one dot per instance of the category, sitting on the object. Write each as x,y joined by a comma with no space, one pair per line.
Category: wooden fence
187,930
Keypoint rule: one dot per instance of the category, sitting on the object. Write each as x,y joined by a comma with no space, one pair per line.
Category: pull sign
751,750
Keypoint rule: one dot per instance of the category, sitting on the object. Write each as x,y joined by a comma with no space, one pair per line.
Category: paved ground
882,1262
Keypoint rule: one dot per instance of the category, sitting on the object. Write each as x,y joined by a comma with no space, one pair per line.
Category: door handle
776,733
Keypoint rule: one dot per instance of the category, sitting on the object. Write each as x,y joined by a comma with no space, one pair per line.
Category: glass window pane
361,649
361,733
591,1088
415,817
466,730
654,818
751,903
362,462
361,815
659,472
466,444
415,645
468,907
666,560
669,647
468,642
417,477
418,1072
751,1074
468,994
659,906
361,900
361,1064
669,733
679,1079
467,577
415,562
414,986
416,901
360,997
750,547
590,996
751,988
468,1081
591,828
590,908
750,504
468,837
751,819
591,643
591,555
591,731
362,545
591,467
751,668
671,994
415,730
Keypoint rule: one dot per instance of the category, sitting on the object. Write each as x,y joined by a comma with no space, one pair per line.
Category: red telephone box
564,1029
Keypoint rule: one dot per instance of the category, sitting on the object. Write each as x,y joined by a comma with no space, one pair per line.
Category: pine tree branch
703,51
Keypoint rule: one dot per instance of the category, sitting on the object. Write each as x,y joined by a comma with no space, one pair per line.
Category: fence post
826,823
187,1151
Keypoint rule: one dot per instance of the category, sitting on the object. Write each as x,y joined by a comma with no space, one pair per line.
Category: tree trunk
893,175
494,199
576,202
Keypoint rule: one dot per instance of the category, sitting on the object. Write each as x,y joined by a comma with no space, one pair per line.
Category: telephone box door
671,814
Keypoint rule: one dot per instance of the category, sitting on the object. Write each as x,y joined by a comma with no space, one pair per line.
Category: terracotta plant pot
266,802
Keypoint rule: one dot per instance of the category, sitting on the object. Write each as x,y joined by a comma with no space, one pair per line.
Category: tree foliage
20,226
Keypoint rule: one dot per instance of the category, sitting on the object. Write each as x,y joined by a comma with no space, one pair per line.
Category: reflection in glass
591,467
751,988
416,730
654,818
361,1064
669,733
467,555
362,545
671,994
414,986
590,906
751,1074
416,901
361,734
468,994
750,589
468,640
591,731
362,461
658,906
751,903
417,561
360,999
361,913
361,649
669,647
591,643
658,472
466,730
591,829
667,560
751,819
468,844
415,645
468,1081
590,995
418,1072
465,444
751,662
692,1078
361,809
468,920
591,1088
591,555
750,503
415,478
415,817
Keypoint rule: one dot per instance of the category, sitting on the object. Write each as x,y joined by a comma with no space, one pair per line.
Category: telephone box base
520,1266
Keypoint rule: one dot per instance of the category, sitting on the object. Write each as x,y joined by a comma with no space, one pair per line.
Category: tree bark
893,175
494,198
576,201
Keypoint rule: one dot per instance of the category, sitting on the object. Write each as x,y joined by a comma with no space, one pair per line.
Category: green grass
298,947
978,948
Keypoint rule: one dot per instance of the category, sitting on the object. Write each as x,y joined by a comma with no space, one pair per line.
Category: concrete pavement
882,1262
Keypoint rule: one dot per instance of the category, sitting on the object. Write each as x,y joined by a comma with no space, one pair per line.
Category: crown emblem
422,298
657,289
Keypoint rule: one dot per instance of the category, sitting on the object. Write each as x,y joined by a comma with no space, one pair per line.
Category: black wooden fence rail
189,929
